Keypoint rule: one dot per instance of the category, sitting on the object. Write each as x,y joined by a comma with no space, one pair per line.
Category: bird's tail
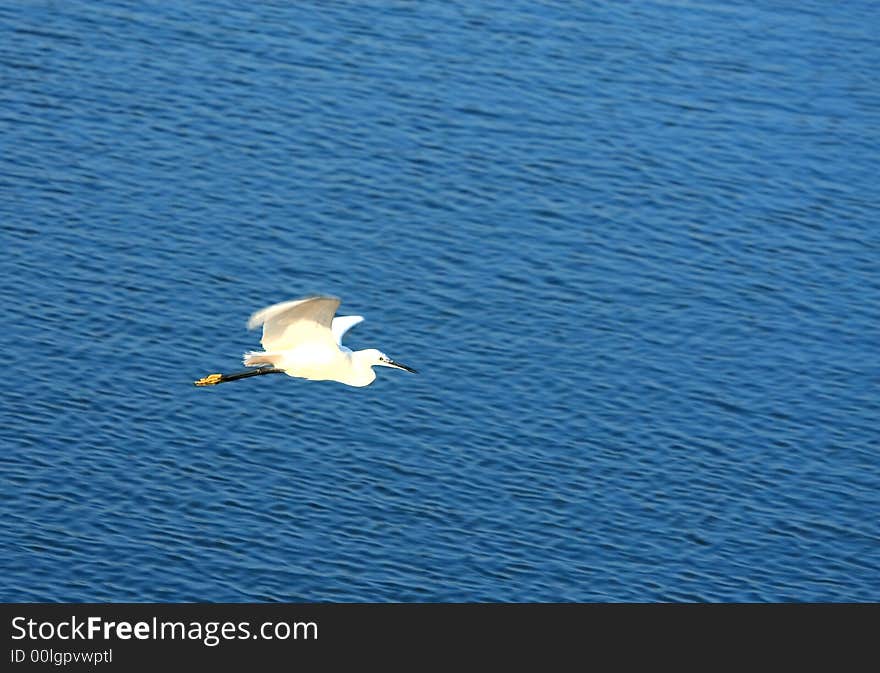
258,358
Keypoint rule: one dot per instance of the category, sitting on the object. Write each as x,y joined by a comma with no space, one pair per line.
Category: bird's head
376,357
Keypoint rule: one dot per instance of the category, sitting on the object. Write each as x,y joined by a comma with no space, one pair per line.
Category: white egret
301,338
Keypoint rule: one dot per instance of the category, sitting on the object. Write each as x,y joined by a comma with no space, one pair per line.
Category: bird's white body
317,363
303,338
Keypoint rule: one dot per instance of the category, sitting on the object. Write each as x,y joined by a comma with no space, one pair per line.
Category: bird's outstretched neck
214,379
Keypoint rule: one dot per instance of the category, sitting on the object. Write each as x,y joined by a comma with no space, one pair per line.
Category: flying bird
301,338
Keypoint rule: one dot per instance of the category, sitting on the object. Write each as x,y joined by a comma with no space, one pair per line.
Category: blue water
631,247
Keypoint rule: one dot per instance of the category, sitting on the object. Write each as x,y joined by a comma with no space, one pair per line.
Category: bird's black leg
214,379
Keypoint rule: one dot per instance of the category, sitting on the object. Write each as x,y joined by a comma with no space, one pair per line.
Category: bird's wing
292,323
343,323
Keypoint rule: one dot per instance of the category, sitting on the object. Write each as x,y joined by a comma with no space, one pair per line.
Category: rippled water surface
632,249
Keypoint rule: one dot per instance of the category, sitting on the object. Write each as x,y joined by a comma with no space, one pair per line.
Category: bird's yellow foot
209,380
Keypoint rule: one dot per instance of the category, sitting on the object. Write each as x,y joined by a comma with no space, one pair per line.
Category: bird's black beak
392,363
